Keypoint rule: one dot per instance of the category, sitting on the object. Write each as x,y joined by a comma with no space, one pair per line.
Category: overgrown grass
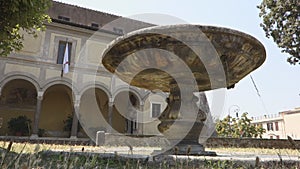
47,156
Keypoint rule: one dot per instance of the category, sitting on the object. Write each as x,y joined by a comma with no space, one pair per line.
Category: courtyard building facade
33,85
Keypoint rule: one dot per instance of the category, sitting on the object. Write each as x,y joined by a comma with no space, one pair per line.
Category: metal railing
268,116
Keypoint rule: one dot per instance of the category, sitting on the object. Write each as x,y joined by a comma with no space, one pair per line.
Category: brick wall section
48,140
112,139
252,143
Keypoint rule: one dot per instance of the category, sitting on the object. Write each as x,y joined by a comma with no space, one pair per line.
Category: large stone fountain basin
150,58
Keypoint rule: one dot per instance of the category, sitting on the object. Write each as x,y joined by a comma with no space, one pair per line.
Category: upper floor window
270,126
276,126
155,110
62,50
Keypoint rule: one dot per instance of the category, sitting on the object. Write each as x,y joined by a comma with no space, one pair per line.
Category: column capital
76,106
77,97
77,100
40,95
142,103
110,102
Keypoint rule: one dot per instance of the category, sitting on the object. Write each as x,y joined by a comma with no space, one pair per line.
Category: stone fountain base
188,149
184,143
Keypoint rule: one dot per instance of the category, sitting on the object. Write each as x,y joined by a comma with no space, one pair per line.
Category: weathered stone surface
152,58
183,59
100,138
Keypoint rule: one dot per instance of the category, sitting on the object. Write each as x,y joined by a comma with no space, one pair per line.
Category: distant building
281,125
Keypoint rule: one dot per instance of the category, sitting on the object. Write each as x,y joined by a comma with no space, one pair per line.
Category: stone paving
144,153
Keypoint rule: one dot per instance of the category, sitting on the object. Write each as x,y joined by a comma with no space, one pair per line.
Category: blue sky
278,81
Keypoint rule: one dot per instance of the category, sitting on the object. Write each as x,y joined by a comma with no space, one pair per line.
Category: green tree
223,128
16,15
238,127
281,21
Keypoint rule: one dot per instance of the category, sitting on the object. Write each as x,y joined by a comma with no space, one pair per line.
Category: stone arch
162,94
24,76
125,89
93,110
18,98
65,82
57,109
98,85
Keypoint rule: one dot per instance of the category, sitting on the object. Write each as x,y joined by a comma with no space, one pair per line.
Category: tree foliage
16,15
238,127
281,21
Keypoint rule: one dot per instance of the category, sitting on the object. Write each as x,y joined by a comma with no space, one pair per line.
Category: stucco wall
32,46
292,125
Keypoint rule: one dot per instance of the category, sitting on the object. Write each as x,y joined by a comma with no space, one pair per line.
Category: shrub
20,125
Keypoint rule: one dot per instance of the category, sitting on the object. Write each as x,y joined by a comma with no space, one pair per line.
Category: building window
277,137
61,51
270,126
155,110
118,30
271,137
276,126
95,25
63,18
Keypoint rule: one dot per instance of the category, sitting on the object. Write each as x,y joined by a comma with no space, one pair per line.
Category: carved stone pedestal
182,122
